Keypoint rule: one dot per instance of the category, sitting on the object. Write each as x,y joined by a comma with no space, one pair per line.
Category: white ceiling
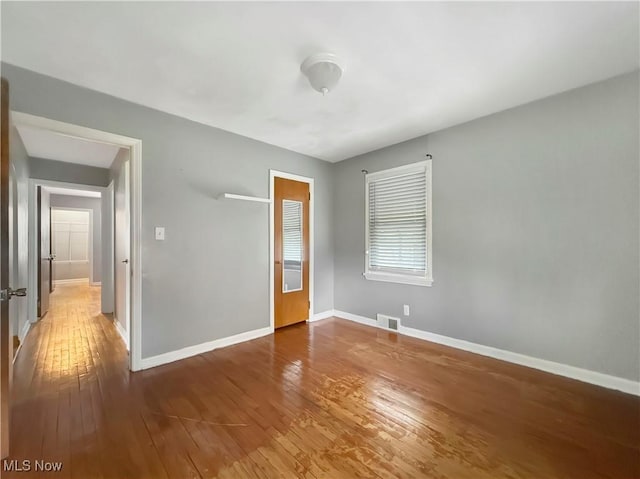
411,68
49,145
72,192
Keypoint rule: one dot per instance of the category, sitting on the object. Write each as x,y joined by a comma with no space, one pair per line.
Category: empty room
320,240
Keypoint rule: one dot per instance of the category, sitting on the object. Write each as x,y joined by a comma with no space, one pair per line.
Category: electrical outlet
159,233
406,310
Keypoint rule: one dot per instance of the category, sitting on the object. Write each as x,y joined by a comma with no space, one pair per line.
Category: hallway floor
332,399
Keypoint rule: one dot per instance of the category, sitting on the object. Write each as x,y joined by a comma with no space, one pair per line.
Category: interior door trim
135,148
303,179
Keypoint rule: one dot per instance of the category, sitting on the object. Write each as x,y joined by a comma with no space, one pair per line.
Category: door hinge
309,196
309,304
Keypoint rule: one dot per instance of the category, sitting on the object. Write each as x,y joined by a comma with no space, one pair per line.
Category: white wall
71,244
97,237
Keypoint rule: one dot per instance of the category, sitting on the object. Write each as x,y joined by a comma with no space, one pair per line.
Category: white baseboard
96,283
25,331
356,318
122,332
71,281
21,335
559,369
323,315
189,351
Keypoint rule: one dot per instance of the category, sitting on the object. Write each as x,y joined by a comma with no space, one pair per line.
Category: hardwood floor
332,399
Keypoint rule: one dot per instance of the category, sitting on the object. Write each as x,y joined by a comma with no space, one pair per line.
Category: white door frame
32,284
135,148
273,174
90,240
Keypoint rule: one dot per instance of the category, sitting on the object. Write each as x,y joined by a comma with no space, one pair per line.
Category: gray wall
67,172
95,205
18,231
536,212
535,231
209,278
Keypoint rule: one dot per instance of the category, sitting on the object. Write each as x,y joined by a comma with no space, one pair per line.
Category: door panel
5,338
13,264
45,257
291,251
122,244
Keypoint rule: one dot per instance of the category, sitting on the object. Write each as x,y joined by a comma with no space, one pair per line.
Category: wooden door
5,339
45,257
291,255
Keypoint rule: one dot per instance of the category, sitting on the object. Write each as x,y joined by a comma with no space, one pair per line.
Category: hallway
69,381
331,399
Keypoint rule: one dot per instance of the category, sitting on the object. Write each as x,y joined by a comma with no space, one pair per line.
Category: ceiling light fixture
323,71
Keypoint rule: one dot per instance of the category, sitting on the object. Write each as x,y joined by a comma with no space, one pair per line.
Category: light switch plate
406,310
159,233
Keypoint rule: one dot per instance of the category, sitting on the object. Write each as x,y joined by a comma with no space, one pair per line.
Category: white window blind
292,231
399,224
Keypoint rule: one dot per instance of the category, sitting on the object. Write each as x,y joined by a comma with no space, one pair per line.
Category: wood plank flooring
331,399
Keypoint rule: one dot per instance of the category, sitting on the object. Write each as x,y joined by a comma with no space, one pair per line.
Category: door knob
125,261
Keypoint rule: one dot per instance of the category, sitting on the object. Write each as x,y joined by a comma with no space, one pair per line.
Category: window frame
417,280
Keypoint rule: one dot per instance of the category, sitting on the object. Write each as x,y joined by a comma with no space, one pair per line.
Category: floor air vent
393,324
387,322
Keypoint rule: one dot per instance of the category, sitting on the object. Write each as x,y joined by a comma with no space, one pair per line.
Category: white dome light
323,71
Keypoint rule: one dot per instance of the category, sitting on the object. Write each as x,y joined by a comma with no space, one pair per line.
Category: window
398,225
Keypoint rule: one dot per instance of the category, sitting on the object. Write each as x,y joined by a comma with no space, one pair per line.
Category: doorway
66,230
291,249
130,159
45,286
72,246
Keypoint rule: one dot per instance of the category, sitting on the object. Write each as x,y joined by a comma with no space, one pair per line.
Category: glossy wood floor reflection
332,399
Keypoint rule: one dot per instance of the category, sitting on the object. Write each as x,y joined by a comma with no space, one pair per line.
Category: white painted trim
304,179
233,196
189,351
387,276
135,222
72,281
559,369
398,278
122,332
355,318
32,282
73,131
96,283
135,148
323,315
21,336
24,331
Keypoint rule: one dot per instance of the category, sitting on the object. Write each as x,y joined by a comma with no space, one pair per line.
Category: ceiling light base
323,71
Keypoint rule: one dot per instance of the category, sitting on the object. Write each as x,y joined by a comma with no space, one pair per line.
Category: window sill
396,278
